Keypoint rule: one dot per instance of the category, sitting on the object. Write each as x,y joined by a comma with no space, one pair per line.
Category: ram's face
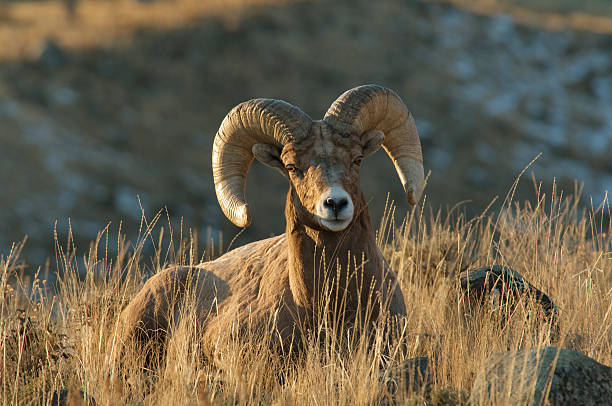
324,174
323,169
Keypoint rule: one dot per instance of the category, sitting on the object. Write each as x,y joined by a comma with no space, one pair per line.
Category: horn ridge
267,121
344,111
374,107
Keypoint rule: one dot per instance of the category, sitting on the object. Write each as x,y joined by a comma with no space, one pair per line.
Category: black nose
335,205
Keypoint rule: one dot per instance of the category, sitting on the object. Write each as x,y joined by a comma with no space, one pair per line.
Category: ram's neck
323,264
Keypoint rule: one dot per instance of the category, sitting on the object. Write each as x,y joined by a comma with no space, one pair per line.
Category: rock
494,285
536,377
51,55
10,108
64,96
414,374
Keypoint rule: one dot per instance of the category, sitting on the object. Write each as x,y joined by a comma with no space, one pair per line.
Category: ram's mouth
335,224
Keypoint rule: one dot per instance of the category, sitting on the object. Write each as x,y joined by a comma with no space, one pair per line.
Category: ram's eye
291,167
357,161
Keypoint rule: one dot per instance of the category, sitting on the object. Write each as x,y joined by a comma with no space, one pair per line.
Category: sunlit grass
24,25
62,338
590,15
83,24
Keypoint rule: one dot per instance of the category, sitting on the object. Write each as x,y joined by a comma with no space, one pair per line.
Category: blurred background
108,108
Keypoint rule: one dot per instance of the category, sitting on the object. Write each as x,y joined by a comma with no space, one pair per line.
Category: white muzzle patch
335,209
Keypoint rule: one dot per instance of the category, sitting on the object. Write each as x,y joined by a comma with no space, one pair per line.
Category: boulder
501,287
548,375
414,375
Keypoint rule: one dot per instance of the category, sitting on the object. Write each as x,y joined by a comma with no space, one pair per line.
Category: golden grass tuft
58,342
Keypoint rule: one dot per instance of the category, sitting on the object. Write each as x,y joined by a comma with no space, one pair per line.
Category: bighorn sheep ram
278,282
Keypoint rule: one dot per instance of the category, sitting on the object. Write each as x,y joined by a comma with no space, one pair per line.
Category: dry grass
590,15
52,342
99,23
24,25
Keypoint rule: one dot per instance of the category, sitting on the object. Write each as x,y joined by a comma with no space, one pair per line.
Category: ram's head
320,158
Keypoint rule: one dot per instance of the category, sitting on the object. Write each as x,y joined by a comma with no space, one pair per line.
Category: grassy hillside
110,109
590,15
83,24
24,24
55,345
594,7
115,109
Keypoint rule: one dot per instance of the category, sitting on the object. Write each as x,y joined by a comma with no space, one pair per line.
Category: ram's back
243,288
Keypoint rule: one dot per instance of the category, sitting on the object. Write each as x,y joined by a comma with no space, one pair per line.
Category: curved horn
255,121
372,107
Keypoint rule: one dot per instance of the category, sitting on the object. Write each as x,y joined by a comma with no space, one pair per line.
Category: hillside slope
92,132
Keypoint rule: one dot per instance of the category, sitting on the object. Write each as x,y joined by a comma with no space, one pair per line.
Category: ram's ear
371,141
269,155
